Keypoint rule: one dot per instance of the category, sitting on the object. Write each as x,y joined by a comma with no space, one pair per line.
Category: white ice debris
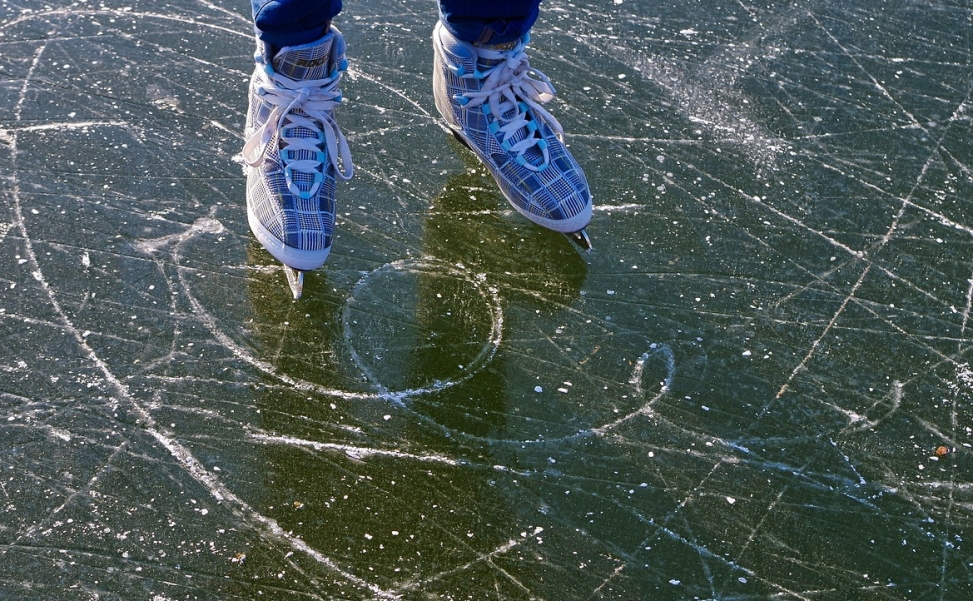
62,434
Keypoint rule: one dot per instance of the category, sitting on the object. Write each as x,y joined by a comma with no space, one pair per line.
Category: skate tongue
309,61
485,62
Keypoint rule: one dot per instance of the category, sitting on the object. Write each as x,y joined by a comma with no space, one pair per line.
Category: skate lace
302,107
513,92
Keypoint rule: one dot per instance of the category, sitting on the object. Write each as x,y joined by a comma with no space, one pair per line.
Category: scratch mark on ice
182,454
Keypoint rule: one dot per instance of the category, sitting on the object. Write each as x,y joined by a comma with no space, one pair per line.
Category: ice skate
294,153
491,99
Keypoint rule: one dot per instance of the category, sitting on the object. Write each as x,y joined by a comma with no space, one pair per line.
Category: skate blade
580,238
295,279
459,138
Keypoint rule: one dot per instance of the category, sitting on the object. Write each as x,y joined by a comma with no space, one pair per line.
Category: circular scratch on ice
638,374
417,326
387,312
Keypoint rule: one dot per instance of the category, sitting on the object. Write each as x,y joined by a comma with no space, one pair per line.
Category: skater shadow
471,222
418,325
531,269
302,339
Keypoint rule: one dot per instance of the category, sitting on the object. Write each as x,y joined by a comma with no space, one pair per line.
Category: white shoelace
511,85
316,99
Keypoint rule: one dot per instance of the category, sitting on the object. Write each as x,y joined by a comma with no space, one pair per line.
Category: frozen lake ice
756,387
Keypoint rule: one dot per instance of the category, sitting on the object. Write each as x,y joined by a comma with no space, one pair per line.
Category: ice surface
757,386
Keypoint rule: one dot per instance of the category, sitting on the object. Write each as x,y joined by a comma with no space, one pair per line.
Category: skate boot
491,99
294,152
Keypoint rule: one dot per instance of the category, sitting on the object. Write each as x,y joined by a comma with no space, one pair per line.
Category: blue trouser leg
486,22
281,23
